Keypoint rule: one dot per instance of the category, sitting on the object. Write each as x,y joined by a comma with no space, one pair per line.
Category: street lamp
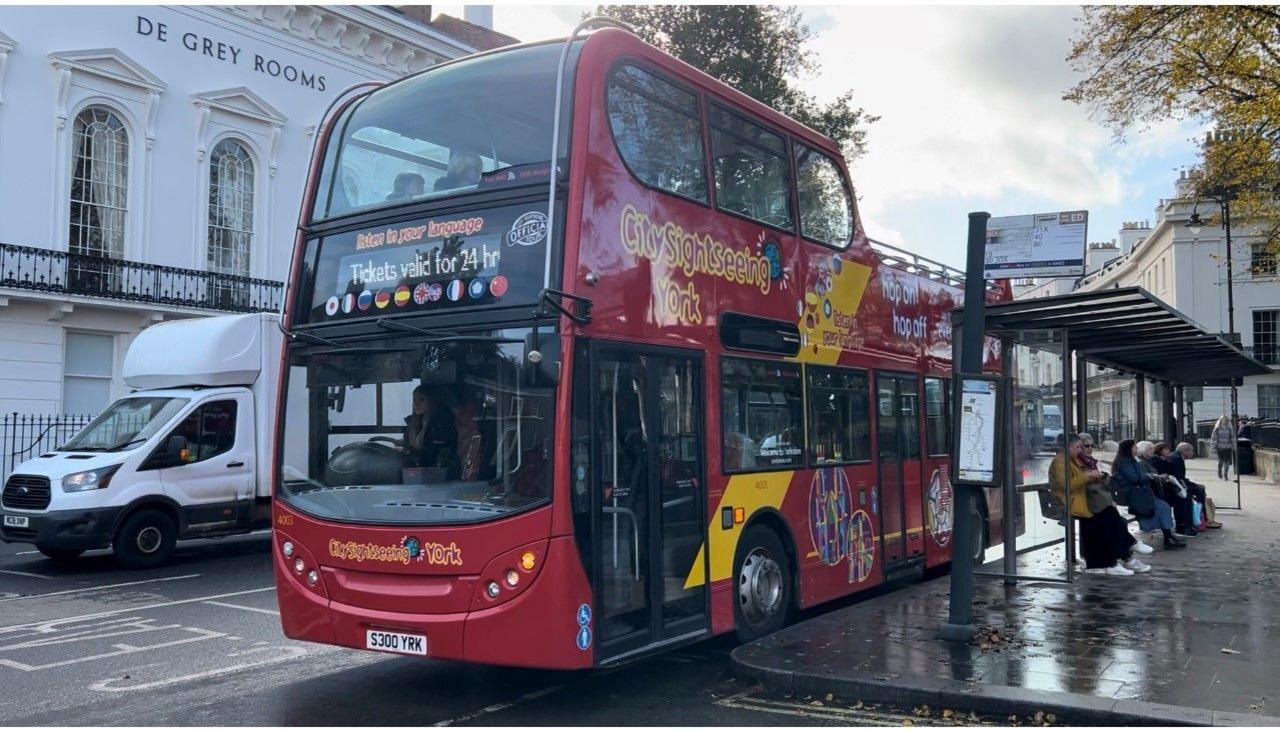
1223,195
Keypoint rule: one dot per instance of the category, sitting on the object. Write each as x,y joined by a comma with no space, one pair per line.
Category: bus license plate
15,521
395,642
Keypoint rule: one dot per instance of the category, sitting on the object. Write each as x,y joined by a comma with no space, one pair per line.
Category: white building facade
152,163
1188,270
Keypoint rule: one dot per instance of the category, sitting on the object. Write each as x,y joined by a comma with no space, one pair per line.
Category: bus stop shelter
1126,331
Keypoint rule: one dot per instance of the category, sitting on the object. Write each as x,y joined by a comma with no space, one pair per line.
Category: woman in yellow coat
1105,541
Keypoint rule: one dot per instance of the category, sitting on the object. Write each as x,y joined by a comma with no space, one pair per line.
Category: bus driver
430,432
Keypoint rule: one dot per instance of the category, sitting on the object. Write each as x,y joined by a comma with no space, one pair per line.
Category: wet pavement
1194,641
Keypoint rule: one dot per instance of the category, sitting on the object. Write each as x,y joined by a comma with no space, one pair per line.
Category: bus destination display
488,257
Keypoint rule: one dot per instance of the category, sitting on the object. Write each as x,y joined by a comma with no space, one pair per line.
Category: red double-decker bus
674,393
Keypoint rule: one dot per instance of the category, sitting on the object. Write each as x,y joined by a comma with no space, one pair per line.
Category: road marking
50,625
25,553
104,586
247,609
500,706
24,573
120,649
119,628
289,653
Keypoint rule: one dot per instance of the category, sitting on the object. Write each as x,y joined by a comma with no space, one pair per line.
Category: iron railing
23,436
61,272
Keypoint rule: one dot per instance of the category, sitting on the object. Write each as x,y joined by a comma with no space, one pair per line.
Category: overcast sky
972,118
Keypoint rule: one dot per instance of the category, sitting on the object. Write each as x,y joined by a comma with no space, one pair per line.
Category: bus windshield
476,124
419,431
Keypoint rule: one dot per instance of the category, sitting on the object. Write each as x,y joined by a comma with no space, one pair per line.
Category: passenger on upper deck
464,171
406,186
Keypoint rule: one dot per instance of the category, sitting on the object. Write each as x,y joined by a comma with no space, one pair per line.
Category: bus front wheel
762,584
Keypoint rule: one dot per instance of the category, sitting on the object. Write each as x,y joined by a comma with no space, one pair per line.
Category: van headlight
95,479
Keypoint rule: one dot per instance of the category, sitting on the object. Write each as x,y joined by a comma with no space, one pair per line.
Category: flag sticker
366,299
402,295
331,306
476,288
456,290
420,294
498,286
434,291
382,299
348,303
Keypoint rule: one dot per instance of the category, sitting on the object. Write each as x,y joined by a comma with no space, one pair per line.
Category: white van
185,455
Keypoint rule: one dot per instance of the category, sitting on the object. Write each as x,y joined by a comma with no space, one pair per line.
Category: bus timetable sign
1036,245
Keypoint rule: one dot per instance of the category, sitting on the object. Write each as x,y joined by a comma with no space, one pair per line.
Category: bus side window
839,416
752,175
826,213
937,408
657,127
762,415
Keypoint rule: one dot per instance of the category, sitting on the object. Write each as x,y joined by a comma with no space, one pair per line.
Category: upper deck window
826,214
475,124
658,130
752,176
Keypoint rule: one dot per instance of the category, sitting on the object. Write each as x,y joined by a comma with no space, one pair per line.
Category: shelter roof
1129,330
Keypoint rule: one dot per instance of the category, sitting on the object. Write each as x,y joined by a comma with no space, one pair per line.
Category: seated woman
1141,488
1177,494
1104,538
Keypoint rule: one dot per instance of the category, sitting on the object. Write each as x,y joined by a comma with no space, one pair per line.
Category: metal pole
1067,466
1009,469
1140,407
1231,333
1082,398
959,625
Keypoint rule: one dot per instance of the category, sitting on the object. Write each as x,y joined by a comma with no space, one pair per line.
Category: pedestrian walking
1224,441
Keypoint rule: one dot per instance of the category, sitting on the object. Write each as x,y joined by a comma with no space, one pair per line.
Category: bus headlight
312,577
287,549
298,565
513,578
492,589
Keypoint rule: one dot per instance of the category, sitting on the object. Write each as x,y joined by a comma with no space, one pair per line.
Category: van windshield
126,422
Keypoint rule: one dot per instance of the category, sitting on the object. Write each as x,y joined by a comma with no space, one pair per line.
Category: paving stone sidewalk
1194,642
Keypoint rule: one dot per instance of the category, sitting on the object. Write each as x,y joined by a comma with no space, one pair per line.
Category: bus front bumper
537,628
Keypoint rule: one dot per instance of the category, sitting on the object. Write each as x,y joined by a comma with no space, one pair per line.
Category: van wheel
61,555
145,540
762,584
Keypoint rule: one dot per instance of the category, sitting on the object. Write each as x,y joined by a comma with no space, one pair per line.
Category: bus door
649,521
898,437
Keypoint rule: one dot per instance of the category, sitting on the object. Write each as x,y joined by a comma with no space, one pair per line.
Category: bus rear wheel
762,584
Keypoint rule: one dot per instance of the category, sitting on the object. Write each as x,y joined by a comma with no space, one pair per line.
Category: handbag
1098,497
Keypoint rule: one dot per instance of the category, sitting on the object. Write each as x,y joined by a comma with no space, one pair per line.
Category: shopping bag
1197,513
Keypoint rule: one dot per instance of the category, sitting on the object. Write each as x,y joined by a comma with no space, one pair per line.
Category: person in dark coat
1167,462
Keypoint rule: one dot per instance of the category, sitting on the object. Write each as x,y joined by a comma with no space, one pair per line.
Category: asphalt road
198,642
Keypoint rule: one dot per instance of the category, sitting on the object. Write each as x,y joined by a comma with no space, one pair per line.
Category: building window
839,416
99,201
762,406
230,220
1262,262
87,366
1269,401
658,129
1266,336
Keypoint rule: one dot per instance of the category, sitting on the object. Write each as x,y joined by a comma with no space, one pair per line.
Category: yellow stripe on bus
751,493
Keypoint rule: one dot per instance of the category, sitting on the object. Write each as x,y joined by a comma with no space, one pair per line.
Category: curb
905,691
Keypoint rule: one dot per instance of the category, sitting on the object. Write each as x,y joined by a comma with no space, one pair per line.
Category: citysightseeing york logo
409,549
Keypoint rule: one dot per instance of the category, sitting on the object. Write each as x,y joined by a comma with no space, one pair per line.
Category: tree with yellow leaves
1217,63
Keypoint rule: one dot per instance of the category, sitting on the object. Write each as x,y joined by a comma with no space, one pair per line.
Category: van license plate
15,521
395,642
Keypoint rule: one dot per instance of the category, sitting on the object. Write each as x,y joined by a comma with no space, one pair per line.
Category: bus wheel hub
760,586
